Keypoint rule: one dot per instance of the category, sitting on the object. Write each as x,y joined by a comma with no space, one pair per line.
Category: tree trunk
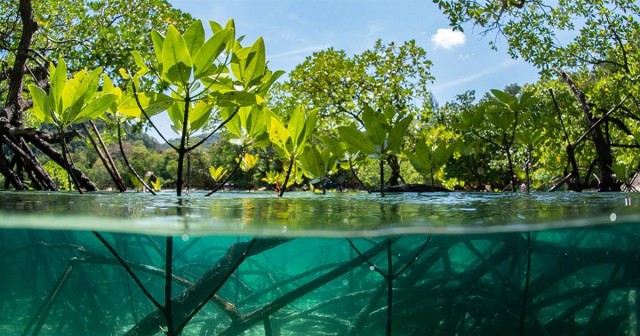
46,148
395,178
603,148
12,132
105,157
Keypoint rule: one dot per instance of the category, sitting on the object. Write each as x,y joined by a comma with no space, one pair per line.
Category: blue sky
294,29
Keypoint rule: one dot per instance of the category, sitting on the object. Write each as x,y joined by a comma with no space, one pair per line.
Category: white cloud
448,38
473,77
466,56
303,50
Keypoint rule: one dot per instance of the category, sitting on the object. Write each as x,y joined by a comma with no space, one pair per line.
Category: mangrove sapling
198,74
291,142
384,133
244,162
69,101
429,158
198,82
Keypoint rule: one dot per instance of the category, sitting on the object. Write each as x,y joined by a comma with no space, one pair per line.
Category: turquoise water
306,264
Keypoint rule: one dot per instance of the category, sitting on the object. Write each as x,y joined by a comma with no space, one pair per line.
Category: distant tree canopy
564,34
88,34
336,118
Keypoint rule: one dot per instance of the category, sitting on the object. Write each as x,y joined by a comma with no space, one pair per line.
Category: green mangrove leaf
238,63
239,98
41,109
529,136
296,125
312,162
156,184
77,90
398,132
158,41
194,37
268,80
57,82
420,158
375,125
336,147
199,115
503,97
310,124
279,136
356,139
526,100
217,173
152,102
204,60
231,43
176,61
108,87
95,108
215,27
137,58
249,161
256,62
176,114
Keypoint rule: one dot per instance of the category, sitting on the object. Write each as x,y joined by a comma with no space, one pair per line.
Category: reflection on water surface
308,214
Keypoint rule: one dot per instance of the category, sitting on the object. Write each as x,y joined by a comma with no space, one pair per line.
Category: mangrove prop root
258,315
575,281
189,300
41,315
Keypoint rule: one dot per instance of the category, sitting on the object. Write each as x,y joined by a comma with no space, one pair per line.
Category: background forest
365,121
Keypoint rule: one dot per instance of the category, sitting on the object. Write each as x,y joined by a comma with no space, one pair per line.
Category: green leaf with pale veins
152,102
158,41
41,110
279,135
356,139
397,133
204,60
256,62
194,37
176,61
95,108
57,82
374,123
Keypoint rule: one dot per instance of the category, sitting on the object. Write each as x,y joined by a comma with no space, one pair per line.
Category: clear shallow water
315,215
338,264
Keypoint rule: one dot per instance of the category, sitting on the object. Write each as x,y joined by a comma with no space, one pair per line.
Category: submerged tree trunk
204,288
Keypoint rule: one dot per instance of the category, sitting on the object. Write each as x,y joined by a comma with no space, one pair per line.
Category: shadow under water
552,281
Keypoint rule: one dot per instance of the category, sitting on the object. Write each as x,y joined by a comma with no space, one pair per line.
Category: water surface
316,215
352,264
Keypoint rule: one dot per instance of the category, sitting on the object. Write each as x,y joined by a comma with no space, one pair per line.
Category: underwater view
309,264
